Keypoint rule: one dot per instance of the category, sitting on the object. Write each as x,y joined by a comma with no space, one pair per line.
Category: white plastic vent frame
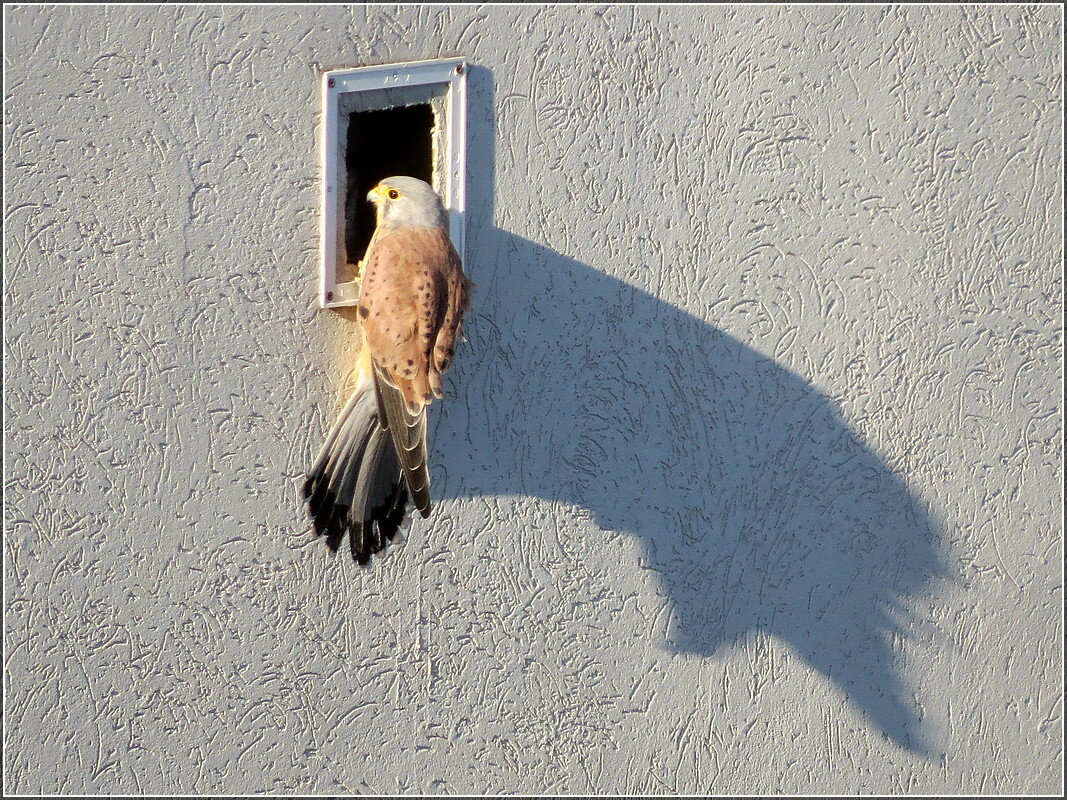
451,74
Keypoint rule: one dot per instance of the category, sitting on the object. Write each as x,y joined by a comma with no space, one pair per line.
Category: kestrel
412,299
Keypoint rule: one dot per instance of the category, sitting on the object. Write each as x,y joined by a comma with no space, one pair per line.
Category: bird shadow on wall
759,509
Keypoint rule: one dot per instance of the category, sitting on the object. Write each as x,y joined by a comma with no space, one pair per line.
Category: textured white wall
749,472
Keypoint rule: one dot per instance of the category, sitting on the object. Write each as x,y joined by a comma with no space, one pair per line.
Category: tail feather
356,486
347,475
344,461
379,488
327,447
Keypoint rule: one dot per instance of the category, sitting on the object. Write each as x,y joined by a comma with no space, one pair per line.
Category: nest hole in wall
393,119
382,143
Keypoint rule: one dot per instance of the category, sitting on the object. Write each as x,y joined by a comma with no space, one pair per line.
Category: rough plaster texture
749,476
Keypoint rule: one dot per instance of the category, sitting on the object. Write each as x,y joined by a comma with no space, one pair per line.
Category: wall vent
393,119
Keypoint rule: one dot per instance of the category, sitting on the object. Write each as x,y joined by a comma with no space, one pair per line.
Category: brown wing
456,291
407,294
408,432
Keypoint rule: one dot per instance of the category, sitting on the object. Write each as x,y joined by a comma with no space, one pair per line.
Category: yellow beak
377,194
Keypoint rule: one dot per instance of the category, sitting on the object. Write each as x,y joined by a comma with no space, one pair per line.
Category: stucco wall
749,472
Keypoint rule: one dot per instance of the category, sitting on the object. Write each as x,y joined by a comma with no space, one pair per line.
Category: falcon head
409,202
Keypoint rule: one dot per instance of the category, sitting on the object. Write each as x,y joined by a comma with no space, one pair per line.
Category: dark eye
394,194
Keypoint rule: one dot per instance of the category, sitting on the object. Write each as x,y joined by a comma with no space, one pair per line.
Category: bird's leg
359,271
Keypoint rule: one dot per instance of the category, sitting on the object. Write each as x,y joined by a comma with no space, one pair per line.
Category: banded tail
356,486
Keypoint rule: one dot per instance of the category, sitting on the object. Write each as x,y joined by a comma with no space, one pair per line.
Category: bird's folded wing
408,432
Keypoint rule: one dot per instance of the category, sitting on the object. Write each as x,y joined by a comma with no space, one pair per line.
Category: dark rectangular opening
383,143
